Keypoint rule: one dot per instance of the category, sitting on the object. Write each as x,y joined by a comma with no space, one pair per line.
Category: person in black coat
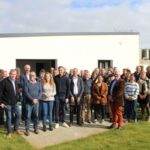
8,100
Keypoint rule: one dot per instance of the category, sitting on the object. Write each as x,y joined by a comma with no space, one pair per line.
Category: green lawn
132,137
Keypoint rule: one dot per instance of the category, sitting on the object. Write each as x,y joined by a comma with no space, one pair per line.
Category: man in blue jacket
33,92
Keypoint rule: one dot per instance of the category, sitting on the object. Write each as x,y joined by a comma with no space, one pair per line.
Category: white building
81,50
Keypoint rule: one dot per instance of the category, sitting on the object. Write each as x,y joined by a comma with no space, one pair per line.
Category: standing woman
131,96
99,92
49,91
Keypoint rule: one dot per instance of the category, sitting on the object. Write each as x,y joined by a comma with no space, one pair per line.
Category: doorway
36,64
105,63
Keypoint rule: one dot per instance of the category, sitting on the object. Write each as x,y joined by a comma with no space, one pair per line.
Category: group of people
47,97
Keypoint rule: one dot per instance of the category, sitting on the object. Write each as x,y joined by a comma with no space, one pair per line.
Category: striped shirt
131,90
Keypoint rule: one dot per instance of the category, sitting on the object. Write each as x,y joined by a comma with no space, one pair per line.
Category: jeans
9,110
47,112
29,109
60,108
131,109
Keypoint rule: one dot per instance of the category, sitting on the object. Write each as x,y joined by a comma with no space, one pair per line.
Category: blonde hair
51,81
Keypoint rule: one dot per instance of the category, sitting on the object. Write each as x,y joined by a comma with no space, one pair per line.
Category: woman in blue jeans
49,91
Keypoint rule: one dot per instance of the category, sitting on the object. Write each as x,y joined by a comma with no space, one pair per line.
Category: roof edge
5,35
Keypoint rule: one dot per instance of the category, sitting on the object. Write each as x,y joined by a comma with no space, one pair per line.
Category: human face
132,78
47,77
27,68
32,76
4,75
75,72
100,79
12,75
61,71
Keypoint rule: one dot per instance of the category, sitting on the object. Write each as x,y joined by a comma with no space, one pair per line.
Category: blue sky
17,16
102,3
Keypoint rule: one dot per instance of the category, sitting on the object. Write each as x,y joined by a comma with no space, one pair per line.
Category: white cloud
59,16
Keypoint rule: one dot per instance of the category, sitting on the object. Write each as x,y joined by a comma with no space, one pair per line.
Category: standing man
24,78
117,92
33,92
8,101
3,76
62,95
76,91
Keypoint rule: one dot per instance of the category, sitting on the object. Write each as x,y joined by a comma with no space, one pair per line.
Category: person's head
4,74
52,70
32,76
49,78
103,71
132,78
42,74
138,69
81,73
143,76
148,69
100,78
27,68
75,72
86,75
124,71
61,70
12,74
55,72
65,70
117,73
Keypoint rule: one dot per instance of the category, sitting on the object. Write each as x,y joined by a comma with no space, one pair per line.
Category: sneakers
56,125
65,125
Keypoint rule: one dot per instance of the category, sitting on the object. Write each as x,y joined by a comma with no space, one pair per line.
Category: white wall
81,51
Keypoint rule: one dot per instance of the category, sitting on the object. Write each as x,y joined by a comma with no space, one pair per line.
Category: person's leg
36,115
135,110
120,117
71,113
8,111
45,112
83,109
57,102
63,104
102,107
17,113
28,116
50,110
89,108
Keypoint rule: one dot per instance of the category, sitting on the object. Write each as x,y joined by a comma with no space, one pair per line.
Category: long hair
51,81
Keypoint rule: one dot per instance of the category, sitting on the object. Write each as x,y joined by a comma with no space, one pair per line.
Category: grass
133,136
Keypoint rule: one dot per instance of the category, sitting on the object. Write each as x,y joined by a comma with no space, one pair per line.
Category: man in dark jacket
62,95
76,91
8,101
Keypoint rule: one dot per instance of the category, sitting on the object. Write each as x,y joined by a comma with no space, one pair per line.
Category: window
145,54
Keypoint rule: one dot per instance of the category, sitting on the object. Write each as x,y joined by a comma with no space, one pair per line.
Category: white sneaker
95,121
65,125
56,125
102,121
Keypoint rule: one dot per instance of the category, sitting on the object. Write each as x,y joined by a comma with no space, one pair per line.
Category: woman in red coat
99,92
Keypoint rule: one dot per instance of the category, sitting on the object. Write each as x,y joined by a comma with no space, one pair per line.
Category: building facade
81,50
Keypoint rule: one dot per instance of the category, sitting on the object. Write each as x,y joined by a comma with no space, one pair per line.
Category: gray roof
5,35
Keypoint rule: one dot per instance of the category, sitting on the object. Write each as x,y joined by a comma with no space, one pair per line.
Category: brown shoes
27,133
36,131
19,132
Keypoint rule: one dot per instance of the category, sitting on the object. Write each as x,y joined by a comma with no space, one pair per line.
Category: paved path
62,134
